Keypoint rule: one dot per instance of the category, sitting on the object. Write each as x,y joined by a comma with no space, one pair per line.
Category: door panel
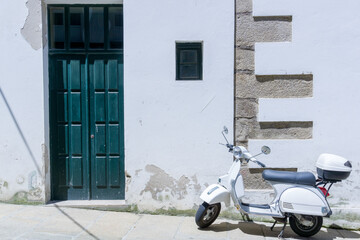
69,124
87,127
106,121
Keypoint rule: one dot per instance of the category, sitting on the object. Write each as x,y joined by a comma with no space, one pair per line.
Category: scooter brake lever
260,164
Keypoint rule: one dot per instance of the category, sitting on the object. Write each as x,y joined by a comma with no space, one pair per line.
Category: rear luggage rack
324,183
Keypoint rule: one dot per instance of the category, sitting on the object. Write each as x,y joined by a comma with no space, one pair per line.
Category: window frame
86,48
198,46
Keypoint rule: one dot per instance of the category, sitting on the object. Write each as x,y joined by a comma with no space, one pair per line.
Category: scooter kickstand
282,230
272,227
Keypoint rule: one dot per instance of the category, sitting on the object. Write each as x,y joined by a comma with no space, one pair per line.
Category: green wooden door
87,130
69,124
86,101
106,126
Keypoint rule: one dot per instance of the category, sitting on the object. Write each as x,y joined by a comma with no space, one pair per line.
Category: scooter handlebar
259,163
246,155
230,147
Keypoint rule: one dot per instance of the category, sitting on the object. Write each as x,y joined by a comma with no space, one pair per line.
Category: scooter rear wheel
305,225
207,214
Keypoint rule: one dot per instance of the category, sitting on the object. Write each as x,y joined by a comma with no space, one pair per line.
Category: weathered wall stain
137,172
20,180
32,180
161,182
44,23
35,194
45,159
31,30
35,187
31,197
45,171
196,185
128,181
4,185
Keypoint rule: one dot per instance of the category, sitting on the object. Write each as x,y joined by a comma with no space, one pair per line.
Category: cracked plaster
31,30
161,183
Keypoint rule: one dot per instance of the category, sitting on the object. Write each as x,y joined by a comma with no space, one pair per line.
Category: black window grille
189,61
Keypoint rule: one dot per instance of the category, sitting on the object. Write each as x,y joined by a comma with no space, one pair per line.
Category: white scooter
299,197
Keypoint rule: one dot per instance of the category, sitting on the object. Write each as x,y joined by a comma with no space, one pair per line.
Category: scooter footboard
215,193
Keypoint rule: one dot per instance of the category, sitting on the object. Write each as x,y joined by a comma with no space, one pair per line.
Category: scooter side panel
303,201
216,193
239,187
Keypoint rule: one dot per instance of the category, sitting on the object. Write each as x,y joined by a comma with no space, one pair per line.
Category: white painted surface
325,42
21,82
173,125
297,109
176,125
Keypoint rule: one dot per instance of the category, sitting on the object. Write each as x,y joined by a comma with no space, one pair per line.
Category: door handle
92,136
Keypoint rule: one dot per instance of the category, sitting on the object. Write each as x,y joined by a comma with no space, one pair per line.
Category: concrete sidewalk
44,222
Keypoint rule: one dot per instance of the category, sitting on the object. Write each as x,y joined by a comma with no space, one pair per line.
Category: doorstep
91,204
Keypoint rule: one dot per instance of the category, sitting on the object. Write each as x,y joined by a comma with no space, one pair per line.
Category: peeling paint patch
34,194
45,158
128,181
3,185
196,184
161,182
35,186
31,30
32,180
20,180
31,197
137,172
19,197
45,170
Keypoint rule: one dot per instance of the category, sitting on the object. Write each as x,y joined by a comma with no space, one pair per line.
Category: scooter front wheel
207,214
305,225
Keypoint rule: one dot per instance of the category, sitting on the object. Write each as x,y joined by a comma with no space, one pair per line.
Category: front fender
216,193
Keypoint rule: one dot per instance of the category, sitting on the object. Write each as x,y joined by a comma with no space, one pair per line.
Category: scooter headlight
237,152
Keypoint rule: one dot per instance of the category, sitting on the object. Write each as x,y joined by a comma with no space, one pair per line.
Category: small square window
189,61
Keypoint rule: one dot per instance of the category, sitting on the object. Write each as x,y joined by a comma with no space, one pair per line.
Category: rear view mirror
265,150
226,131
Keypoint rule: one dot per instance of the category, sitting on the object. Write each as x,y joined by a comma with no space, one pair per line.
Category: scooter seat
303,178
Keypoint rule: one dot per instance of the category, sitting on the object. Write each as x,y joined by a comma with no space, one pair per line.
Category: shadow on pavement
263,230
36,164
76,223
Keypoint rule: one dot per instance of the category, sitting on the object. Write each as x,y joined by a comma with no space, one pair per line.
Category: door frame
48,54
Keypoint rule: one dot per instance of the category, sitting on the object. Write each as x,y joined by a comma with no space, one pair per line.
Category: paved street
44,222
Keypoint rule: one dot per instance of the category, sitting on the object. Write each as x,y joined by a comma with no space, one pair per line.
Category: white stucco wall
325,42
21,104
172,128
